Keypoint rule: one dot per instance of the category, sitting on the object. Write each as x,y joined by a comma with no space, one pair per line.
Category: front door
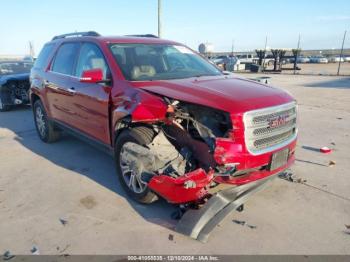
91,100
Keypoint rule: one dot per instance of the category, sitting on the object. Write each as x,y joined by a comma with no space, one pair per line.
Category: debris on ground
289,176
7,255
243,223
239,222
331,163
63,221
325,150
251,226
347,226
171,237
332,143
300,180
339,118
35,250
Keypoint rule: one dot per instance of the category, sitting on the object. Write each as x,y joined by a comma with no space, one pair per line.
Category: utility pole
232,47
159,18
31,49
296,55
263,63
341,52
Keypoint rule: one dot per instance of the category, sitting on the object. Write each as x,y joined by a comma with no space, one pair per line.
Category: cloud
333,18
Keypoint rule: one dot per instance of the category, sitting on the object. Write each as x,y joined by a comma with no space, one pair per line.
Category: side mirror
92,76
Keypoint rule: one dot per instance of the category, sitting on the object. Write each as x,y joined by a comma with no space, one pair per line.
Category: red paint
325,150
174,191
96,109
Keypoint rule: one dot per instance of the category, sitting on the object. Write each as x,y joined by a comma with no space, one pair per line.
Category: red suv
177,126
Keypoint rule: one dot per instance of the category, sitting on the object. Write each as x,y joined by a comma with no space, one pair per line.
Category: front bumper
195,185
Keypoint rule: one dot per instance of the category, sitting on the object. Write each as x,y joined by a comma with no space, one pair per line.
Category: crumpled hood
228,93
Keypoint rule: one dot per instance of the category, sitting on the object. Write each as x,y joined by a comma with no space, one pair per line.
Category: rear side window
42,59
65,58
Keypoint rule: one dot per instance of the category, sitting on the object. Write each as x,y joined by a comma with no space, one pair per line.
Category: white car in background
336,59
318,59
247,58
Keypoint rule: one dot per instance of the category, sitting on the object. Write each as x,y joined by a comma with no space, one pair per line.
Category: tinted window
65,58
140,62
41,61
90,57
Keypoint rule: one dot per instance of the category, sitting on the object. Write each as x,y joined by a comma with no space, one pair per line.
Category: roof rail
145,35
88,33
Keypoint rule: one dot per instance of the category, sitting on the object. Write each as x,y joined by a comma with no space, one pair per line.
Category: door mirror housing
92,76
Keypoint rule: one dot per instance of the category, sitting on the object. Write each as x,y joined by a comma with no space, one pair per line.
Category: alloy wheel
40,121
131,170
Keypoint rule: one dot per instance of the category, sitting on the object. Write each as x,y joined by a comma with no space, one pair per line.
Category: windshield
9,68
140,62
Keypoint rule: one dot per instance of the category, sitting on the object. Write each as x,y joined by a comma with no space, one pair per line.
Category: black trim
85,137
88,33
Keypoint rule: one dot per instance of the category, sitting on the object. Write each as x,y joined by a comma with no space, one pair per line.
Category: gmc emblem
278,121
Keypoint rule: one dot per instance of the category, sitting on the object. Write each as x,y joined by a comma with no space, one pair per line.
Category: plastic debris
243,223
251,226
287,176
331,163
325,150
35,250
63,221
239,222
7,255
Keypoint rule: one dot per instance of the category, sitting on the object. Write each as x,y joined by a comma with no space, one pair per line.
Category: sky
321,23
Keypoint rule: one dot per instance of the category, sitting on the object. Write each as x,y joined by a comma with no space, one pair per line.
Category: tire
44,126
141,136
3,108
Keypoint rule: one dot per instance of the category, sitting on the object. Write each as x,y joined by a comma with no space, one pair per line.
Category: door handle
72,90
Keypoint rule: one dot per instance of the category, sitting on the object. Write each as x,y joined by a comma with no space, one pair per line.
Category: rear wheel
3,107
44,127
129,168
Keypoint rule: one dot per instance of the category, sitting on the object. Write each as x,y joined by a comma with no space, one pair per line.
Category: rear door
91,100
60,82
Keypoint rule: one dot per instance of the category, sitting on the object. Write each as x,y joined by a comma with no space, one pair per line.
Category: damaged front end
197,157
15,92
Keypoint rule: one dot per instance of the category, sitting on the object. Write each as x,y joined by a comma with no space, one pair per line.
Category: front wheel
44,127
129,166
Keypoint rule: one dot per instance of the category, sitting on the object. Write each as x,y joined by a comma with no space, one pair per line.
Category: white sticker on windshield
183,49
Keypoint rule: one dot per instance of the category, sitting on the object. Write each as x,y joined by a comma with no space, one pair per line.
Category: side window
41,61
65,58
91,57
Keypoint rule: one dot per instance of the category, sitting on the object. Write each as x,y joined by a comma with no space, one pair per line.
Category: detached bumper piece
199,223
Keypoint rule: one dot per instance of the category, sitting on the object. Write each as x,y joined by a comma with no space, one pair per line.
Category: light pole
159,18
341,52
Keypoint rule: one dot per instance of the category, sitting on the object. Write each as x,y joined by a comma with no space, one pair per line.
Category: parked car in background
14,83
300,59
247,58
318,59
226,62
336,59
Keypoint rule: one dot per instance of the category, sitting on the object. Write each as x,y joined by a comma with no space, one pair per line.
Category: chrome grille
269,128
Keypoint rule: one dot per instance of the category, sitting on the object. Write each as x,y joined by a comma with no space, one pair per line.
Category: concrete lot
41,183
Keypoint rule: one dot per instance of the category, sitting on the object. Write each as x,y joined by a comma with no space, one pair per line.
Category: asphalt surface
64,198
